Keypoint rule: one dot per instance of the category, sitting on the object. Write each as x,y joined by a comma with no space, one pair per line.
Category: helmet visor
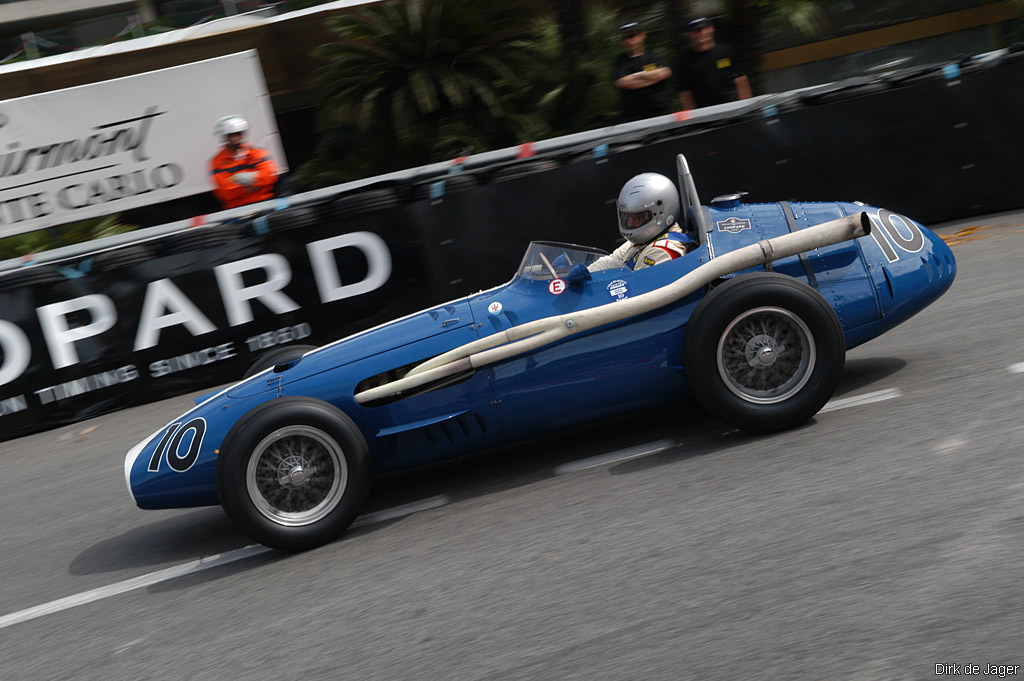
634,220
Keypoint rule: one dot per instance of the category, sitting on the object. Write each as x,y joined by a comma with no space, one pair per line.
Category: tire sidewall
239,446
727,302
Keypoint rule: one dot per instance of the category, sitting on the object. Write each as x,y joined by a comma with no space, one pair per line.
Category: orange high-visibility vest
252,159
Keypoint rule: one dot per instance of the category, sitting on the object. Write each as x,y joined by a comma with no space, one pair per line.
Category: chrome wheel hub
296,475
766,355
761,351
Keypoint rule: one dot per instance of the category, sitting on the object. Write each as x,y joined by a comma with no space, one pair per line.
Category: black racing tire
293,473
277,356
764,352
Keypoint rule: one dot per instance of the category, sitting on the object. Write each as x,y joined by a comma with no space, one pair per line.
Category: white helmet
648,205
228,125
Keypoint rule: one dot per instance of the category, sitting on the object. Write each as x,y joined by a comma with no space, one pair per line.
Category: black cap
631,27
698,23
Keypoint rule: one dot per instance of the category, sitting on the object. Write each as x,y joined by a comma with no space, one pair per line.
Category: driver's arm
617,259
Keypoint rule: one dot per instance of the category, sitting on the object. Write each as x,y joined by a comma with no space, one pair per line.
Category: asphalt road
882,539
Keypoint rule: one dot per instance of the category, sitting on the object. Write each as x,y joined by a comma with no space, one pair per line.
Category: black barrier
937,147
190,310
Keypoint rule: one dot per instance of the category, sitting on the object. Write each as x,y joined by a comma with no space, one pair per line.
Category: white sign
106,147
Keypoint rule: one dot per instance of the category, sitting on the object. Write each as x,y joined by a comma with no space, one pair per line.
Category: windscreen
553,260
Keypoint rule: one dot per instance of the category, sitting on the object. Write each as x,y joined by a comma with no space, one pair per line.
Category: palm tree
571,28
578,94
413,82
65,235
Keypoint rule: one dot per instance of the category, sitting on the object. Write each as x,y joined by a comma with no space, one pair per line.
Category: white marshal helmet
228,125
648,205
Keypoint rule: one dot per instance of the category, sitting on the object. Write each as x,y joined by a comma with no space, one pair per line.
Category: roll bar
689,199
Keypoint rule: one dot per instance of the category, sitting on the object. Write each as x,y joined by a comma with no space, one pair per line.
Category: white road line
1016,368
860,400
614,457
401,511
131,584
661,445
197,566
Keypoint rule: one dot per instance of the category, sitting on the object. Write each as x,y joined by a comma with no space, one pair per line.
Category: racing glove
244,178
579,272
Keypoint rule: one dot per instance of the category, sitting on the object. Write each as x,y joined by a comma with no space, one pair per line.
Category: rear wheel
764,352
293,473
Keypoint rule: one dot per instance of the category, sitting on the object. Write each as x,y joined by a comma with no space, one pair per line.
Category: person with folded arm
641,76
241,173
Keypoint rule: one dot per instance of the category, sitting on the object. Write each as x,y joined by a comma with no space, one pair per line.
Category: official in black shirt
709,73
641,77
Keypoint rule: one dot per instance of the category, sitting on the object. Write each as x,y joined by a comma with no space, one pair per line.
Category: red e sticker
556,287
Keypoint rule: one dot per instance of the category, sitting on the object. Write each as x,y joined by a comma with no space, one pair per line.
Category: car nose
919,269
938,262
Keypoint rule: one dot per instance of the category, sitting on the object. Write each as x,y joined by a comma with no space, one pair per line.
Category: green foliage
24,244
72,233
579,94
803,15
408,83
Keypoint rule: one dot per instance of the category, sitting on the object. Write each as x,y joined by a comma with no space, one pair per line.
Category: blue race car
754,323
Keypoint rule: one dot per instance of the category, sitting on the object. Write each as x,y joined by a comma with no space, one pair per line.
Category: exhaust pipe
536,334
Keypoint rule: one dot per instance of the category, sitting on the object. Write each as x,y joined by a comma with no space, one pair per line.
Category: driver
648,206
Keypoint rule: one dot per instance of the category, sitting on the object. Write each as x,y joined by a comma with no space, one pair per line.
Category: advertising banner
106,147
191,310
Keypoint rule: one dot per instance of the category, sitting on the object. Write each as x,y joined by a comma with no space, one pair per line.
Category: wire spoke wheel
766,355
763,351
293,473
296,475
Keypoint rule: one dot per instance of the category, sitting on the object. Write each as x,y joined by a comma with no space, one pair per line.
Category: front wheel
293,473
764,352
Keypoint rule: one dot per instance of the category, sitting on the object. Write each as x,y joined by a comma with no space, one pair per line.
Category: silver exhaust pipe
532,335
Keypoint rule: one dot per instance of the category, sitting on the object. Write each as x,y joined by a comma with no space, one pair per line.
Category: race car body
289,452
